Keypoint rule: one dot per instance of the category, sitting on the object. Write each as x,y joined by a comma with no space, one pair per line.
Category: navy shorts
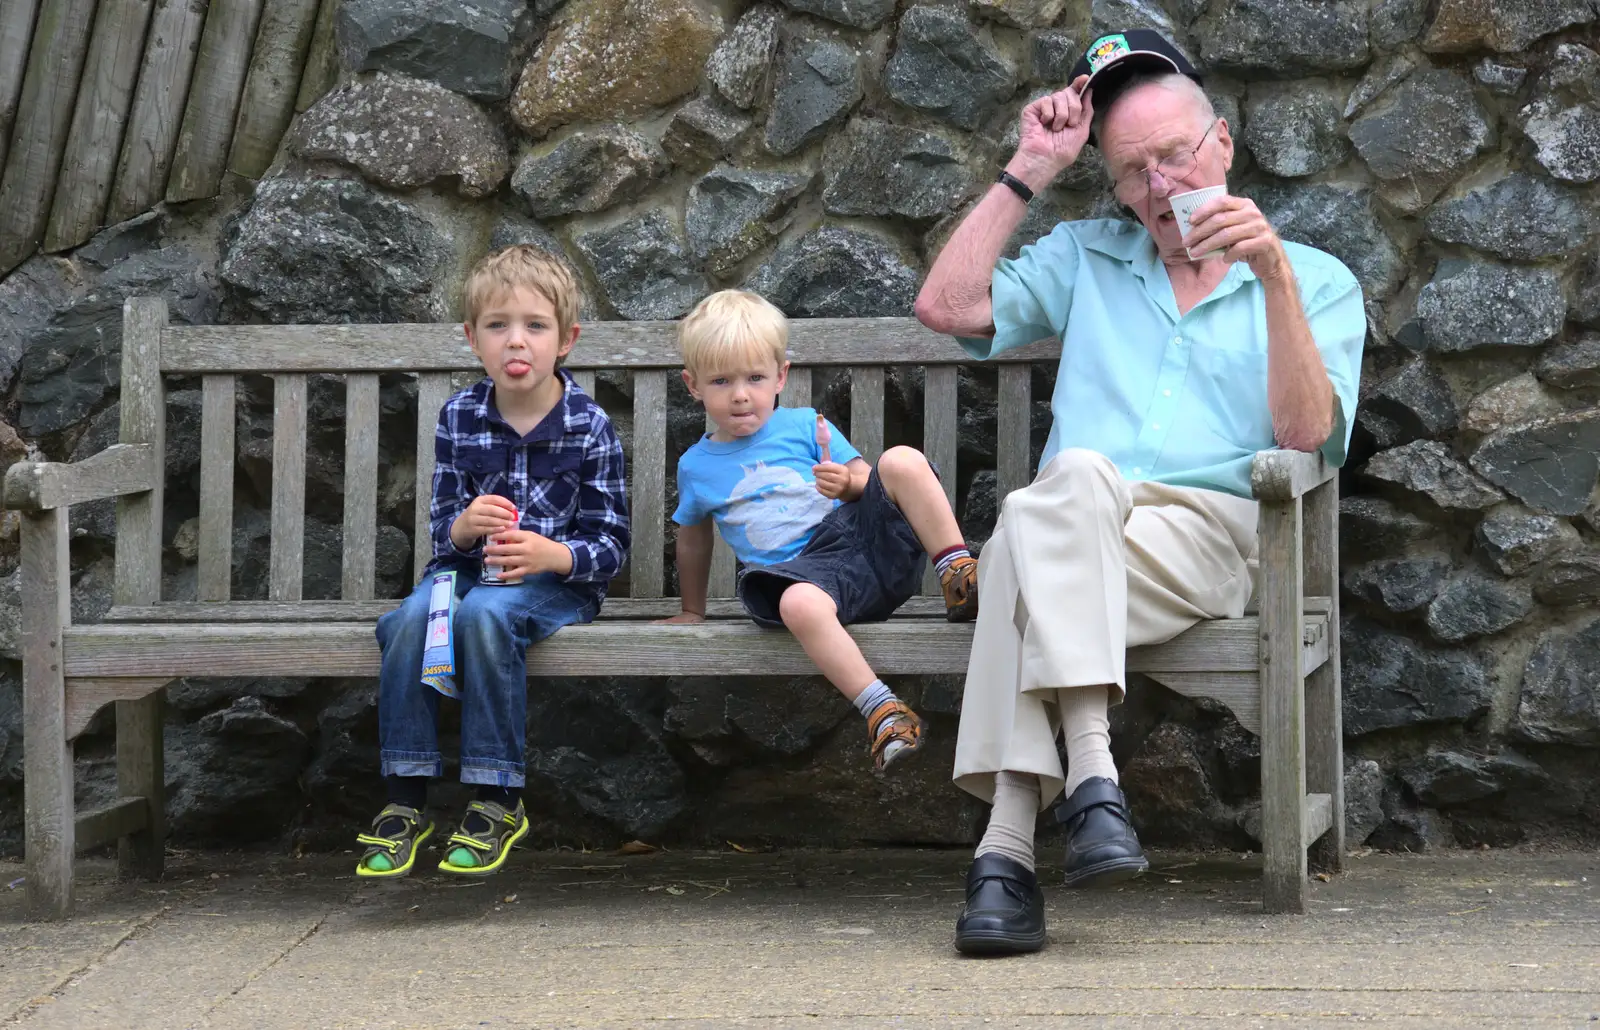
864,555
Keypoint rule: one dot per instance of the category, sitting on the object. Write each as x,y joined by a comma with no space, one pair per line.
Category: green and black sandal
481,845
392,845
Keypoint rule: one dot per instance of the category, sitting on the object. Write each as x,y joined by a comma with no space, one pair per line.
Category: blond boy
530,513
826,539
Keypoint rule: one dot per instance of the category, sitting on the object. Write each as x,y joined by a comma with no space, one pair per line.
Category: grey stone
740,65
10,727
1551,464
1427,468
1570,581
72,366
1023,14
332,250
1398,584
1499,77
1397,22
512,229
1566,138
1410,829
1586,292
1480,303
1293,131
880,170
588,171
1363,800
1575,70
1574,365
1446,778
1519,217
644,268
404,133
941,66
859,14
1170,789
233,776
1504,25
1414,403
832,272
1559,702
1286,37
819,81
98,519
1475,605
11,615
1392,681
1519,399
1108,16
733,213
701,133
31,297
1372,526
1051,55
466,47
1339,220
726,719
982,507
1515,541
1383,74
1421,134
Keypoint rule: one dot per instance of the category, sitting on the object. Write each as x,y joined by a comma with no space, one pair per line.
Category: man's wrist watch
1017,186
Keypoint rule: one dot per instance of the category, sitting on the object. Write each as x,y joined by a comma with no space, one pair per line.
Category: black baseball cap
1115,58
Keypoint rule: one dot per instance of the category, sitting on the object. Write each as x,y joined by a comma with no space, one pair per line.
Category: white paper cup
1183,208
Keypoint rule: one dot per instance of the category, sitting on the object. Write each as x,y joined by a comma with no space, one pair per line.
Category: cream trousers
1082,566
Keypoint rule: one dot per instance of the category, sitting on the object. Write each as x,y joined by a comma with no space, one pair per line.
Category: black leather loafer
1101,845
1005,909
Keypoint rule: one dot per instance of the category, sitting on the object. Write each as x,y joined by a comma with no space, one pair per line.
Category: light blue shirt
1174,399
760,488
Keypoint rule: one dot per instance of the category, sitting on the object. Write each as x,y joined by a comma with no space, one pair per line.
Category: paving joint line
38,1001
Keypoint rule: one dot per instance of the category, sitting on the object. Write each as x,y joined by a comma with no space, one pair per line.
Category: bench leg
49,819
1324,701
141,773
1283,752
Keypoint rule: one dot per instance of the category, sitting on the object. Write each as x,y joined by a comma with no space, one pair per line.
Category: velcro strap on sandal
1092,794
385,843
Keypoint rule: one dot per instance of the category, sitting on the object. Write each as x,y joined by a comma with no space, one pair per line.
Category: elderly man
1181,357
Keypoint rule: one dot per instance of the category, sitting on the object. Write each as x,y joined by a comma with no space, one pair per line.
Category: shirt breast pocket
1231,388
553,479
485,468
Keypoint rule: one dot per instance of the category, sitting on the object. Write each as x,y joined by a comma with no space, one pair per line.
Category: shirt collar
569,417
1132,244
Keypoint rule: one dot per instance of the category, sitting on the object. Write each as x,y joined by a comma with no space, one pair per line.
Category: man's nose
1160,185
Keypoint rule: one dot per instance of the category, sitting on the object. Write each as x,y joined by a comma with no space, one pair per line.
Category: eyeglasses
1135,186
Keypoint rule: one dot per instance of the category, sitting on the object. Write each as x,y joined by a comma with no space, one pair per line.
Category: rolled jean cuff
491,773
412,763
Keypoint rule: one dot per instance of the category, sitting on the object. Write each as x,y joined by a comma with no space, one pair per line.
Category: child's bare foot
959,581
896,732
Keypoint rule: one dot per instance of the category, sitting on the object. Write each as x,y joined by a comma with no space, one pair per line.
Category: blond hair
523,266
731,327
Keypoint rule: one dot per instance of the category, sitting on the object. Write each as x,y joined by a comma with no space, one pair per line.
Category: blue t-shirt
759,487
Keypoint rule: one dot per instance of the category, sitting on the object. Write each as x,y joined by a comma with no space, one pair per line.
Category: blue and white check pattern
566,478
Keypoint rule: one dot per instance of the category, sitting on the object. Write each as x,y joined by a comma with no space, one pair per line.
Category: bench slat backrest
862,349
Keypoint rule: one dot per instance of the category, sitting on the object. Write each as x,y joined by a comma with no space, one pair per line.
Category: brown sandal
889,722
960,585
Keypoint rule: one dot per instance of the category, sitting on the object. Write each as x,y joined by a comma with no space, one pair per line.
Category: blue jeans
494,625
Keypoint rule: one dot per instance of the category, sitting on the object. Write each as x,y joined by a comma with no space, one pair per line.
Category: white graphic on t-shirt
775,505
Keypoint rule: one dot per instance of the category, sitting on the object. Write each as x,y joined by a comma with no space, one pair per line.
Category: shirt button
1138,472
1177,341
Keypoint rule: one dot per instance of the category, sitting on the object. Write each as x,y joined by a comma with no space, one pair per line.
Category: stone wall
820,151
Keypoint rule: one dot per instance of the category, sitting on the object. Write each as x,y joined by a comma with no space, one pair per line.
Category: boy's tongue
516,367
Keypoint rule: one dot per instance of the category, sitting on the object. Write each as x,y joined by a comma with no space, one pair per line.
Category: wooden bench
1277,669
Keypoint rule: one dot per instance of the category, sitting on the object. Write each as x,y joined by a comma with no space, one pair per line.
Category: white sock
1011,821
1087,732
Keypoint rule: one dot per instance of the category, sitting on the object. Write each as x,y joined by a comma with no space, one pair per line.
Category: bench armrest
1280,475
124,468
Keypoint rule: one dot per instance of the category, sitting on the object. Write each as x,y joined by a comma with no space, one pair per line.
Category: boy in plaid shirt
528,494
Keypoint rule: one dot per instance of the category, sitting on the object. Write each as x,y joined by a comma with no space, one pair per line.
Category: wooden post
102,111
647,472
1283,746
273,84
152,133
16,29
940,442
1014,421
322,63
44,115
433,389
213,99
49,819
140,755
866,411
1324,699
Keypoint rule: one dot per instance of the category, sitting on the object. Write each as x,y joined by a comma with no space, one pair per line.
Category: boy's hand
833,479
682,619
488,515
521,554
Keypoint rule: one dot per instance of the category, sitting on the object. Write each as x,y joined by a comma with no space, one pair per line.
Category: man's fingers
1046,111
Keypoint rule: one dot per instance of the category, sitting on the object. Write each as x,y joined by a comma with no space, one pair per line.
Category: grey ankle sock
1011,821
868,701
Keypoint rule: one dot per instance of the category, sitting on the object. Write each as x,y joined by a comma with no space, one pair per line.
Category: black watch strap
1018,187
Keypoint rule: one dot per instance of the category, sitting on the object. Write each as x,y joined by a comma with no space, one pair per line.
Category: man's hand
833,480
1237,228
682,619
520,553
488,515
1054,130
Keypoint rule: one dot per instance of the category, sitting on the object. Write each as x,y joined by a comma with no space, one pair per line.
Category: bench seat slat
610,647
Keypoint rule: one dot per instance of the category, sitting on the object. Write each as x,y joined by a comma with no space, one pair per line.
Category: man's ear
689,384
1225,139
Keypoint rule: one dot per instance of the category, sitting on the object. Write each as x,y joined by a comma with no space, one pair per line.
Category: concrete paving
856,939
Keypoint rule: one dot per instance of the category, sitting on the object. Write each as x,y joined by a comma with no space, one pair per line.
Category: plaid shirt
565,477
